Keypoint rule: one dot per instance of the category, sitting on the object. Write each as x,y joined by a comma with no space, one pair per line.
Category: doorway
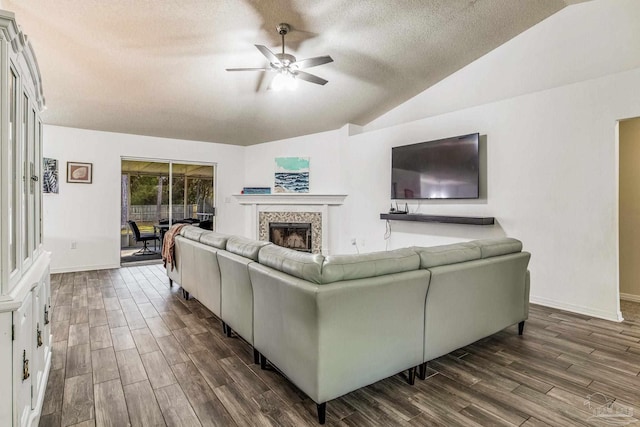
156,194
629,217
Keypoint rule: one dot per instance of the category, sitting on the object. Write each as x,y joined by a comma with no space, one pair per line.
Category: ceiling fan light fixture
284,80
288,68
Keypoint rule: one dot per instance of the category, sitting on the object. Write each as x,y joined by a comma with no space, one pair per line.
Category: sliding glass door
156,194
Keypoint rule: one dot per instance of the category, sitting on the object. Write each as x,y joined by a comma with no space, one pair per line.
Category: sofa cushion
299,264
192,233
217,240
496,247
360,266
448,254
247,248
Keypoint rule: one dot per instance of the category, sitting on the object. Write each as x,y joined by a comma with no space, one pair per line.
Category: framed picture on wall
81,173
49,175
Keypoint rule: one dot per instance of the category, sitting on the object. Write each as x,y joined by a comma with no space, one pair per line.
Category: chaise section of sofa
338,324
477,289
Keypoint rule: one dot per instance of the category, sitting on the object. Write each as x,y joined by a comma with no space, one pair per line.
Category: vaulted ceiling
158,67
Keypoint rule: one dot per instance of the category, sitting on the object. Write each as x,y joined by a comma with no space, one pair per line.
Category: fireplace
307,227
292,235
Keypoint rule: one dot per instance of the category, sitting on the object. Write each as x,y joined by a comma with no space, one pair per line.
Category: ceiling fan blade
310,77
313,62
248,69
268,54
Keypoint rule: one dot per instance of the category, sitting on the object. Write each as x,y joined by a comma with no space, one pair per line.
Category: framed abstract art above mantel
292,175
81,173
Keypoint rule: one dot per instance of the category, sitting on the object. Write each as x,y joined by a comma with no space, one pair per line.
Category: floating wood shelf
470,220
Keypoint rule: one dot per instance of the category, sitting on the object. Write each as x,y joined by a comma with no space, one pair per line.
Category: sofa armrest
332,339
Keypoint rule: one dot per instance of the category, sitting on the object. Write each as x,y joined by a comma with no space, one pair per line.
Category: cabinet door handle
46,315
25,366
39,334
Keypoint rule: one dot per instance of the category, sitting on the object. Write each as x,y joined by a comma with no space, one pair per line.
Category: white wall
90,214
325,170
549,128
323,149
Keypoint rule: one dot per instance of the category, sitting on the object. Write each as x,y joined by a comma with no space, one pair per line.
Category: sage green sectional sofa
334,324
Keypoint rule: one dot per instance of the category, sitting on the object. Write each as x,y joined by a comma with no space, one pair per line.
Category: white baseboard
601,314
84,268
630,297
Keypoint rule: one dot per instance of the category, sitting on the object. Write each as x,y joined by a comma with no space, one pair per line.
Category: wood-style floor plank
130,366
111,408
175,407
78,403
78,360
142,406
104,364
128,350
203,400
158,371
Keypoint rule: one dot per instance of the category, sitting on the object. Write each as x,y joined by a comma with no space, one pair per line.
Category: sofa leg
263,362
229,331
170,283
186,295
411,376
422,371
224,328
322,412
520,328
256,356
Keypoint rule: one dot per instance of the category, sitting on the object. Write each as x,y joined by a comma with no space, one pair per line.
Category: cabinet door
23,337
36,364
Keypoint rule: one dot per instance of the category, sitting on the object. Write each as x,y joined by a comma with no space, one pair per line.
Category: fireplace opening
291,235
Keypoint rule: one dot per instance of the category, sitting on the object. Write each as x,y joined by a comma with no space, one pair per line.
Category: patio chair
144,238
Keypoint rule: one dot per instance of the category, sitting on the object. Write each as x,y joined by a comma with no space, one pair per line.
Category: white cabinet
25,330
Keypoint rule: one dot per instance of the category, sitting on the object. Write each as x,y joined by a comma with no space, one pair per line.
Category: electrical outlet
74,245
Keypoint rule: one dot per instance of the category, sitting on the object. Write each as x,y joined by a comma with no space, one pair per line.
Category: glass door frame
171,162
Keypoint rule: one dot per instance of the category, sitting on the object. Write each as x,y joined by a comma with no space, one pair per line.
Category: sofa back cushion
302,265
448,254
217,240
192,233
247,248
496,247
361,266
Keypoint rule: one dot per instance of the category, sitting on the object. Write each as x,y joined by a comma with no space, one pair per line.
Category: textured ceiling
158,67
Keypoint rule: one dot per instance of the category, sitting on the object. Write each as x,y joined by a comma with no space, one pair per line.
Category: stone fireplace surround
313,218
294,208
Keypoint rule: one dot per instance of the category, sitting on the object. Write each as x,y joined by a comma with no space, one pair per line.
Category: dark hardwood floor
128,350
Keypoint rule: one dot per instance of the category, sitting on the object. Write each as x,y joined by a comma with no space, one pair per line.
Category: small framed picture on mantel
81,173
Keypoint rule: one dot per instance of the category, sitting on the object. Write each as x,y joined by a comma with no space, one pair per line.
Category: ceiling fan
286,65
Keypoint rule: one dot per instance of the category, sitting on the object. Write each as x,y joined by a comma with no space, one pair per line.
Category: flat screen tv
443,169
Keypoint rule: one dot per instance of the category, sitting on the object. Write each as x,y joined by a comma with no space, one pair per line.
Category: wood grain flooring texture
129,350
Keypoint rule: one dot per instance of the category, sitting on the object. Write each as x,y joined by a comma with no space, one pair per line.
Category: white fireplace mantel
290,199
290,202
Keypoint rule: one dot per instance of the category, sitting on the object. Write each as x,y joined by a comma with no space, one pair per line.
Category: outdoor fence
150,213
